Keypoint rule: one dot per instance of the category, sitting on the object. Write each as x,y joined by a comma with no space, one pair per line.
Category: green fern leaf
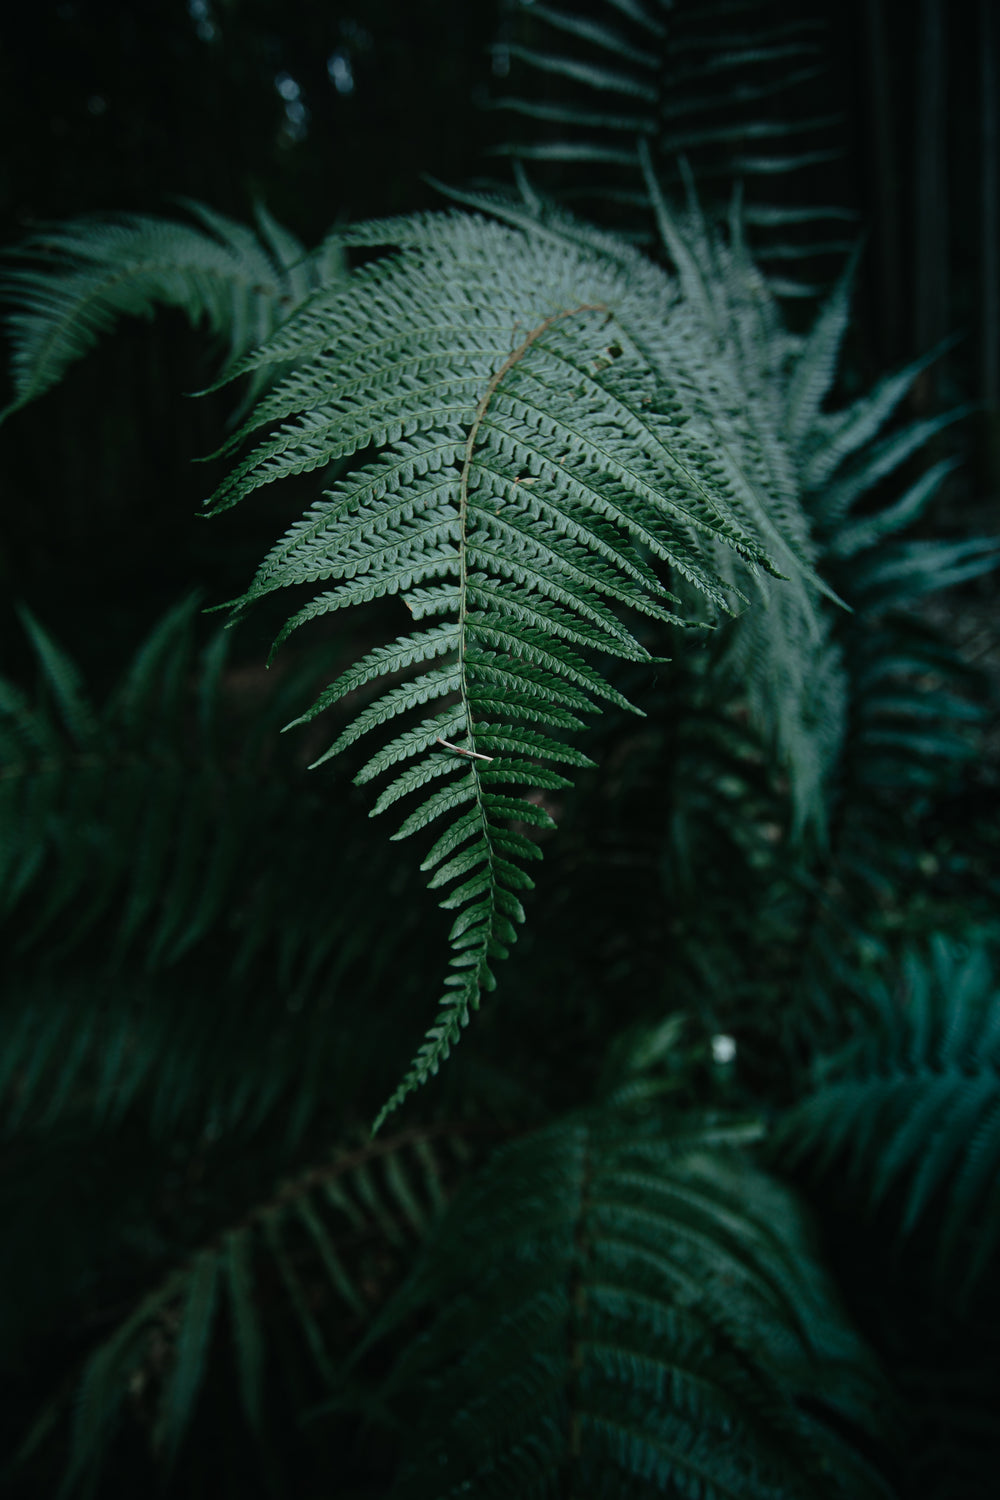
614,1308
309,1239
547,484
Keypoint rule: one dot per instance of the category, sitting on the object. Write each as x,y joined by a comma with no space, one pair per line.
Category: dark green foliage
755,456
621,1307
154,810
737,89
545,465
275,1298
910,1109
166,873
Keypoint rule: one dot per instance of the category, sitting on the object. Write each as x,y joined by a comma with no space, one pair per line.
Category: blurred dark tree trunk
930,139
888,304
989,31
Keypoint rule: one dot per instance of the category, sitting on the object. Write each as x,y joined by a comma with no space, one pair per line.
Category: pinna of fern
534,396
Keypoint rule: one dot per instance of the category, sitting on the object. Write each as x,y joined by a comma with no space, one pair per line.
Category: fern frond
141,831
70,285
555,445
780,650
613,1308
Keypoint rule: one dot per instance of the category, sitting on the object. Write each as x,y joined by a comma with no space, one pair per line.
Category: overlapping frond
915,711
617,1309
730,88
781,652
809,467
160,822
554,451
71,283
276,1298
767,393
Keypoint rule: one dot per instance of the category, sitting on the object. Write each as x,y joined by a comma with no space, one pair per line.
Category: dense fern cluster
590,512
912,1102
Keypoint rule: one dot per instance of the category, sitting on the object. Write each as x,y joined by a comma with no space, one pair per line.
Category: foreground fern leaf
528,393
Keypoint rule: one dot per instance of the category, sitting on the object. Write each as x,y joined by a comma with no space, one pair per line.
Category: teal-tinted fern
910,1107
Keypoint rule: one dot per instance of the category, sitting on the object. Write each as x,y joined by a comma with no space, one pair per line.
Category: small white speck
723,1049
